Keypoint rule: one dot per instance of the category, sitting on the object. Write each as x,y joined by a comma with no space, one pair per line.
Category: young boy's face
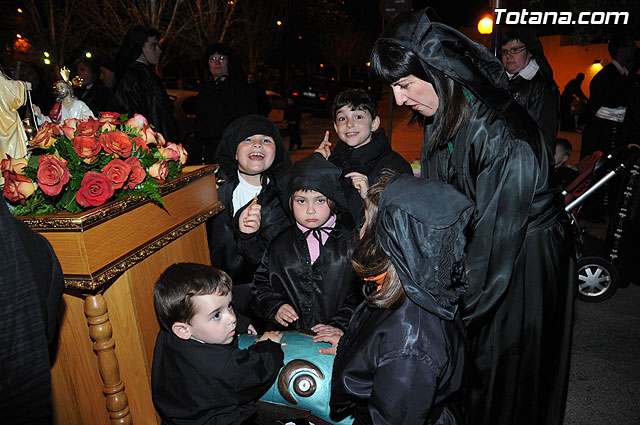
355,128
255,154
214,321
310,208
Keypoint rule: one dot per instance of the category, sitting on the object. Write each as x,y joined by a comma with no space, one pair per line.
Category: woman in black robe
518,308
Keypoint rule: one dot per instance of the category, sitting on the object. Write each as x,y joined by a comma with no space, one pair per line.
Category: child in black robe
199,375
364,149
306,280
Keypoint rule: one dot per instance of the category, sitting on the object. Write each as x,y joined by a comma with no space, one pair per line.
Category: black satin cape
520,258
193,383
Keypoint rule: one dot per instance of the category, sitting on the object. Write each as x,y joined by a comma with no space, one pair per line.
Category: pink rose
139,142
109,120
138,121
160,140
86,147
117,171
137,174
159,171
52,174
181,150
116,142
13,165
17,188
44,138
95,189
88,127
148,135
69,127
170,152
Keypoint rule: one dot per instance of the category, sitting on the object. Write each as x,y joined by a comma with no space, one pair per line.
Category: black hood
314,173
242,128
452,53
421,226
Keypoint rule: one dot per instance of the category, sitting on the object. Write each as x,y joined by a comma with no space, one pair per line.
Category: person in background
199,375
264,107
293,116
224,97
518,307
138,88
107,73
531,81
31,283
94,93
572,93
306,280
401,360
363,150
561,156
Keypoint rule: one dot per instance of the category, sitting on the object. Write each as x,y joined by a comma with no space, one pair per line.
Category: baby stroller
599,260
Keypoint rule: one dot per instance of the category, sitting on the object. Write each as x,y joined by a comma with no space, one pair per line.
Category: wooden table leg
95,308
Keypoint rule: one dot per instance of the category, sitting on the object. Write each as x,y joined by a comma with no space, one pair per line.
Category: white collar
528,72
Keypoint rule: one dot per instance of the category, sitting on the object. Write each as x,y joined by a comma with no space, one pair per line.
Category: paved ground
604,386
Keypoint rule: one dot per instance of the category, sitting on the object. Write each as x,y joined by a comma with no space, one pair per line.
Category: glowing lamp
485,25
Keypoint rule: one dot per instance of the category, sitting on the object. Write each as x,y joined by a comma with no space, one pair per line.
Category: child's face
355,128
255,154
310,208
214,321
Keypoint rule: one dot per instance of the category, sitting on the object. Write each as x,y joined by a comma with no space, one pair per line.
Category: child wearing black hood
306,280
401,359
251,156
363,150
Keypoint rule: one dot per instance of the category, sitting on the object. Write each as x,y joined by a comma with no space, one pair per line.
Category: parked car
315,95
278,105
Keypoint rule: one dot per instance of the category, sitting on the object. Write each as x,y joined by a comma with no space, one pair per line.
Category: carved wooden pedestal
111,258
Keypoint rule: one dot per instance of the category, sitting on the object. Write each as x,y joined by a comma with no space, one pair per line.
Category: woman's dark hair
369,259
175,288
131,47
390,62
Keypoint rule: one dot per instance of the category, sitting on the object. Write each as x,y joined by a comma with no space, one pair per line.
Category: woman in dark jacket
401,359
232,250
322,289
94,93
518,308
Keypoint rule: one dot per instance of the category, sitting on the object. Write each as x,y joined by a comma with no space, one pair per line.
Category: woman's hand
250,218
360,182
274,336
286,314
332,339
325,147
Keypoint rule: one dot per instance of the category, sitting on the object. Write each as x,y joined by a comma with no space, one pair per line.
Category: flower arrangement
82,164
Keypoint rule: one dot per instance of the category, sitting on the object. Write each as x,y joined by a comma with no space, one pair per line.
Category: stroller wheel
597,279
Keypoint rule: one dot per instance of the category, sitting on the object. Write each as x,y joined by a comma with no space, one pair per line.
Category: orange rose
86,147
17,188
116,142
52,174
137,175
44,137
117,171
139,142
69,127
109,120
138,121
159,171
95,189
13,165
88,127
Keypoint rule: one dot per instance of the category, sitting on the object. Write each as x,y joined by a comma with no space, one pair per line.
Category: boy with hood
364,148
251,156
306,280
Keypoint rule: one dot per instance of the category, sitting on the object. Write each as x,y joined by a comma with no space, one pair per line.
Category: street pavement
604,386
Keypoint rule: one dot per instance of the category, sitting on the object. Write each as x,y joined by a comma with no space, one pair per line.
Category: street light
88,54
485,25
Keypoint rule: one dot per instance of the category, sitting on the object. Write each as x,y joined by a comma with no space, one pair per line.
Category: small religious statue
67,105
13,140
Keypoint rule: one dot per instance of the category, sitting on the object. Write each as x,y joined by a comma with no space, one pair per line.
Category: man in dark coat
531,82
518,308
573,90
138,88
31,284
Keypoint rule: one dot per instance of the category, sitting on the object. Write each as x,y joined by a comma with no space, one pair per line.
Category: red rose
13,165
86,147
139,141
69,126
52,174
109,120
116,142
88,127
95,189
44,137
117,171
137,175
17,188
159,171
